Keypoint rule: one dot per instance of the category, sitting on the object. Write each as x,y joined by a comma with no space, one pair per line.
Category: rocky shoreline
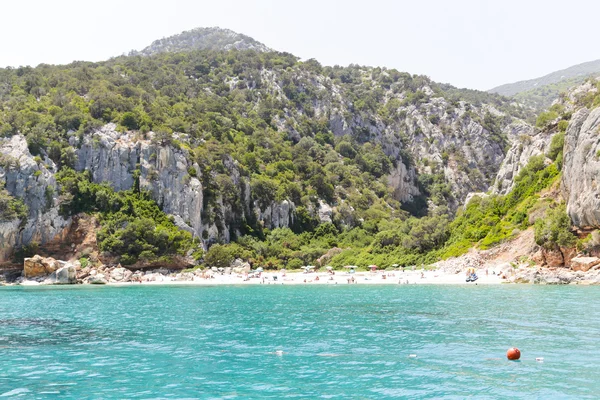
48,271
582,270
39,270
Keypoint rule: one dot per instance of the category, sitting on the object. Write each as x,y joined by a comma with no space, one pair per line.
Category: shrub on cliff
11,208
554,229
133,226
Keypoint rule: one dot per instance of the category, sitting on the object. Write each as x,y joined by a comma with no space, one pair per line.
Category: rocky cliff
526,143
166,172
581,167
31,180
425,129
114,157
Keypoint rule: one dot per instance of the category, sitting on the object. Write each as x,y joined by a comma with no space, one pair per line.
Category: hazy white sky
468,43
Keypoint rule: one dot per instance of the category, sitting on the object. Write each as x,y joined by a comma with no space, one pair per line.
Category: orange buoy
513,353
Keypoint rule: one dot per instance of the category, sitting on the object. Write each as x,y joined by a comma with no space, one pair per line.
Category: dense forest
264,112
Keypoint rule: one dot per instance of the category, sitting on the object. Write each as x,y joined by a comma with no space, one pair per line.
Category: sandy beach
427,277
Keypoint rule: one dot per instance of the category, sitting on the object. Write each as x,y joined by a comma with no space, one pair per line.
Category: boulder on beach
39,266
98,279
66,275
584,263
120,274
240,267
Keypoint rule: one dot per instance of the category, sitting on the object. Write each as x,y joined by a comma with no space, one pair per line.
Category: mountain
259,156
539,93
238,143
203,39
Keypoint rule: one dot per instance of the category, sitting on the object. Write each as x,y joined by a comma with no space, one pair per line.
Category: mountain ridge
211,38
540,93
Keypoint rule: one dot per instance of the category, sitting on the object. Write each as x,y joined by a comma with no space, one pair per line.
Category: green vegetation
545,118
592,98
555,229
541,98
11,208
555,153
133,227
539,93
486,222
84,262
230,117
409,240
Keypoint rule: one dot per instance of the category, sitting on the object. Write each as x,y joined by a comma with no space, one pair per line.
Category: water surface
338,342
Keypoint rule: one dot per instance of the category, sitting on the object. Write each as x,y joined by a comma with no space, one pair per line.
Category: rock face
39,266
580,169
526,143
561,276
113,157
277,215
553,258
584,263
463,142
325,212
33,182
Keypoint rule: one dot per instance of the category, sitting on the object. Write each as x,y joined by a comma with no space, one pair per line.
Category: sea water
268,341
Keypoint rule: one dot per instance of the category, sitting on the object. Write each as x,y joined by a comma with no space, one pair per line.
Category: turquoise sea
338,342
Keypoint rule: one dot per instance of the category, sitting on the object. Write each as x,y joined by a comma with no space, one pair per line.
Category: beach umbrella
259,269
310,267
215,269
395,265
329,268
373,267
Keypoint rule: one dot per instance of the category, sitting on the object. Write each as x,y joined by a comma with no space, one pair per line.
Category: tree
68,157
263,190
10,207
129,121
218,256
554,229
163,136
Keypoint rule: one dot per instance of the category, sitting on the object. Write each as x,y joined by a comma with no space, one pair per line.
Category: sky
478,44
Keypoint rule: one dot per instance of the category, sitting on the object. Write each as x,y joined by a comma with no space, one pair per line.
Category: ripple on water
343,342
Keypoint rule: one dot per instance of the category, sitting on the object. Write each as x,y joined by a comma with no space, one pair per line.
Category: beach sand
427,277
